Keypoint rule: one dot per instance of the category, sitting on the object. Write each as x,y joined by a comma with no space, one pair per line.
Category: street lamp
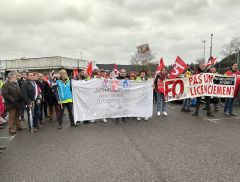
211,45
204,46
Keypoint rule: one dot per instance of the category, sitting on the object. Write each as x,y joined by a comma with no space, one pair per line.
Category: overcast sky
108,31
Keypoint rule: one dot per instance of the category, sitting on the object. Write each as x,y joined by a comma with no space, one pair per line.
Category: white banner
99,98
205,84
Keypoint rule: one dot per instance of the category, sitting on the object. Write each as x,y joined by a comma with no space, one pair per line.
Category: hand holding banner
179,67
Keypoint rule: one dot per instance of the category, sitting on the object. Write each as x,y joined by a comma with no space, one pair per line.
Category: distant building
41,64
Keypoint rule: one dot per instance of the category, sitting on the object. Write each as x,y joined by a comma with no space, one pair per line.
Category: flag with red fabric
211,61
75,73
89,69
179,67
161,65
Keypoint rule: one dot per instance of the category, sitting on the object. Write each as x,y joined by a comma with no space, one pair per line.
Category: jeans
199,99
229,105
70,113
161,106
186,103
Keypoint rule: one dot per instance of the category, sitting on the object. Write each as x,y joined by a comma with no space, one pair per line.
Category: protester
228,109
215,99
202,69
186,107
30,92
142,77
2,111
13,99
20,83
154,90
52,101
44,102
122,76
159,86
64,97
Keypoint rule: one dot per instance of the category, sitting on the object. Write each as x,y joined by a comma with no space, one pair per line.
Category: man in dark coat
13,99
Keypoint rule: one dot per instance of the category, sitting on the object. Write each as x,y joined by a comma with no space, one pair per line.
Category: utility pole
204,47
211,45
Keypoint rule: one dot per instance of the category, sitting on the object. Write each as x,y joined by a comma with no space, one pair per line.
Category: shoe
2,147
92,121
74,125
210,114
184,110
138,119
12,131
226,113
21,128
189,110
165,113
1,127
35,130
146,119
232,114
104,120
41,126
195,114
158,113
59,126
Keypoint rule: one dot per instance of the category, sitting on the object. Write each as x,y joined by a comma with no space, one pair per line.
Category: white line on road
8,138
213,121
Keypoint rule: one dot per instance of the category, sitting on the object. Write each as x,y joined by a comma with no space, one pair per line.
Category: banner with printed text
199,85
99,98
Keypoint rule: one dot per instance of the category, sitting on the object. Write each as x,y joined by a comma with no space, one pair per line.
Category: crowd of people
39,96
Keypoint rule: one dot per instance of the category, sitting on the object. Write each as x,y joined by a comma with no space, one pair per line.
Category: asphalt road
174,148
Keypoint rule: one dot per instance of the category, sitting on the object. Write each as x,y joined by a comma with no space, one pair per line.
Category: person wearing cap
63,93
132,75
159,86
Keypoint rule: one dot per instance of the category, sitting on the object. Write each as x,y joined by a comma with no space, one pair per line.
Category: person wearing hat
132,75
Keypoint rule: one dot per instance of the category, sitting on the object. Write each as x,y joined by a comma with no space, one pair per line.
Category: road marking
226,118
212,120
173,107
8,138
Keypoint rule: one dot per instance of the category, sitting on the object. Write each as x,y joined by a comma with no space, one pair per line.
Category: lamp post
204,46
211,45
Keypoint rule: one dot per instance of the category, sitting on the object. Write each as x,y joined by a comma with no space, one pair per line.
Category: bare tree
200,60
232,46
136,61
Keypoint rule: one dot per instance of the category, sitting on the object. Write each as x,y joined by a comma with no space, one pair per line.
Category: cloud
109,31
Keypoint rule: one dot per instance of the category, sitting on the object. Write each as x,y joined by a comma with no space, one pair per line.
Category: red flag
115,69
161,65
89,69
75,72
211,61
179,67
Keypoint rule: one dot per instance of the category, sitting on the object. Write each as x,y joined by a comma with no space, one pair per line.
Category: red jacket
159,85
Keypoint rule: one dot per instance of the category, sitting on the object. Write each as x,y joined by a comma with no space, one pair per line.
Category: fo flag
161,65
211,61
179,67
